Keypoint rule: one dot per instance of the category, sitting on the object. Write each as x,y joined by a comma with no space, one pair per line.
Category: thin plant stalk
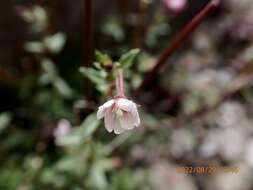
120,84
177,42
88,41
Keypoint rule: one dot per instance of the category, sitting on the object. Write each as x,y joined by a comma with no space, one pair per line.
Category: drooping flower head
120,114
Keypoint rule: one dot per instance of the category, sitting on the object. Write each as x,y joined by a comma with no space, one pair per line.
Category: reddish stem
177,42
120,84
88,40
40,2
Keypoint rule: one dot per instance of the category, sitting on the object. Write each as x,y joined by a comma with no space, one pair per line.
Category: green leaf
101,57
127,59
63,87
94,75
50,72
97,177
80,134
55,43
72,139
48,66
97,65
75,164
36,16
5,119
89,126
113,27
34,47
146,62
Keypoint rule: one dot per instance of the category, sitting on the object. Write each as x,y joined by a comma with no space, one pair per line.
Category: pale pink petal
118,129
100,113
136,117
127,121
123,116
125,104
110,121
108,103
103,108
130,106
134,113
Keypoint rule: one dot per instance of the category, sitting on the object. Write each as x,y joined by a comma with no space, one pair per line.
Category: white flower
120,114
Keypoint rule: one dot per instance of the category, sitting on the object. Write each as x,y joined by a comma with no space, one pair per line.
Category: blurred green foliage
51,139
40,151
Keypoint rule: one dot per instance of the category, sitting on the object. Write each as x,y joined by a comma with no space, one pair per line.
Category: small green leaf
80,134
113,27
127,59
93,75
5,119
50,72
72,139
97,65
63,87
101,57
55,43
34,47
48,66
146,62
98,177
89,126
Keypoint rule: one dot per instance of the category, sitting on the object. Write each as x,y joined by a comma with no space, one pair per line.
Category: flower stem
120,84
177,42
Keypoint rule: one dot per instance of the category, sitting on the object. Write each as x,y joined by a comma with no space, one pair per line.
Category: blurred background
198,111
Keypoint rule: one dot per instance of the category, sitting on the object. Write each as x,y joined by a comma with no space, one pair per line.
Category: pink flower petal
103,108
120,114
127,121
130,106
110,121
136,117
125,104
118,129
